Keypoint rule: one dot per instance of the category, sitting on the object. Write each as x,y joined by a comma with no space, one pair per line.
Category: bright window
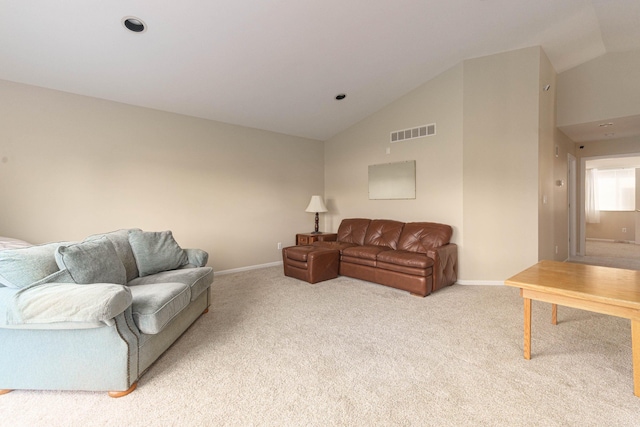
616,189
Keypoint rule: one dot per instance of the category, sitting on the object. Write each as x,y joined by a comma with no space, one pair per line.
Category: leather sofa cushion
384,232
406,258
369,252
333,245
414,263
345,259
155,305
299,253
353,230
421,236
362,255
424,272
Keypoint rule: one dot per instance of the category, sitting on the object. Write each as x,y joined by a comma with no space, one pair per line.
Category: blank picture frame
392,181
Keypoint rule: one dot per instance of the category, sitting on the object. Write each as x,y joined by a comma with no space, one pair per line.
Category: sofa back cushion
384,232
156,251
92,261
120,240
353,230
422,236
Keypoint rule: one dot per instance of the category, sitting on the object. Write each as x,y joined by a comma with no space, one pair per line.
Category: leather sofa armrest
445,265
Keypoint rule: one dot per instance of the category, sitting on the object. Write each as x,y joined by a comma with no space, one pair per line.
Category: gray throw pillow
20,268
156,251
94,261
120,240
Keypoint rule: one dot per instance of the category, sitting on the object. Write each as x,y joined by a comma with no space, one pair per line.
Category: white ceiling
602,130
277,65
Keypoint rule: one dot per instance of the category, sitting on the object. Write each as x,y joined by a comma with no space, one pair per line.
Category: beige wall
438,158
611,225
553,206
501,164
71,166
606,87
480,173
547,205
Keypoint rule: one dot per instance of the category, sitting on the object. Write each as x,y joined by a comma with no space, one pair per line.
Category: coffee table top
615,286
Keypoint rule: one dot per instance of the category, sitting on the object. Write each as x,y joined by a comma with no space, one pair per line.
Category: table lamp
316,205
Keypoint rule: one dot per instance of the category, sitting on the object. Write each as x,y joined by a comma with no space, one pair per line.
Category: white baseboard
593,239
481,282
248,268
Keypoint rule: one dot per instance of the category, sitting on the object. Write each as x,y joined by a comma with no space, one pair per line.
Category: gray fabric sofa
94,315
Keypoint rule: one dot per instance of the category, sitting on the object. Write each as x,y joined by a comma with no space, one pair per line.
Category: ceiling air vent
419,132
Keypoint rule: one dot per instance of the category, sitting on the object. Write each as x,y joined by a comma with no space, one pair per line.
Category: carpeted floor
275,351
606,249
610,254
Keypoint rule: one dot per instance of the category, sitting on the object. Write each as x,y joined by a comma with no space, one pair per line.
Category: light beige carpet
610,254
275,351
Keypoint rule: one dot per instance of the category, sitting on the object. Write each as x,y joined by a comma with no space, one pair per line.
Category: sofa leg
206,310
123,393
5,391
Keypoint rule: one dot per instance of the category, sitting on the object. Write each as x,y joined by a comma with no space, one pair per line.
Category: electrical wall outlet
279,245
624,229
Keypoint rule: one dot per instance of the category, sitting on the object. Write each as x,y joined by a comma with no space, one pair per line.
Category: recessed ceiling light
134,24
341,96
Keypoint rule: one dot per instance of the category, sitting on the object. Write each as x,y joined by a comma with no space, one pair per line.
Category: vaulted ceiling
278,65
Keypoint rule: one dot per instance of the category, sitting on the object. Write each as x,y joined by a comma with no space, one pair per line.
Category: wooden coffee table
612,291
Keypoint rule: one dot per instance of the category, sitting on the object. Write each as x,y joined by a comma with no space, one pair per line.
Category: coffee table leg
554,314
635,349
527,328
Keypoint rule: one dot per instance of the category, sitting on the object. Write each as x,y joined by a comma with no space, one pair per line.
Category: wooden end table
309,238
605,290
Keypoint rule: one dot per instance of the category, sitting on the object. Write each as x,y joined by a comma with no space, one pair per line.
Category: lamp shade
316,205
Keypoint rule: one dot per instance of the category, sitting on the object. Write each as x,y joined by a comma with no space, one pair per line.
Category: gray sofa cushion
155,305
120,240
22,267
93,261
156,251
198,279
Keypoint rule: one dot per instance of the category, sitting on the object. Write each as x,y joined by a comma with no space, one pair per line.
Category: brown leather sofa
416,256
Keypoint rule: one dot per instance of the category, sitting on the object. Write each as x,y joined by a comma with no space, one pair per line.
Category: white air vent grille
419,132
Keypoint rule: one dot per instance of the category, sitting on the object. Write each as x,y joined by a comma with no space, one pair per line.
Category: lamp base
316,232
